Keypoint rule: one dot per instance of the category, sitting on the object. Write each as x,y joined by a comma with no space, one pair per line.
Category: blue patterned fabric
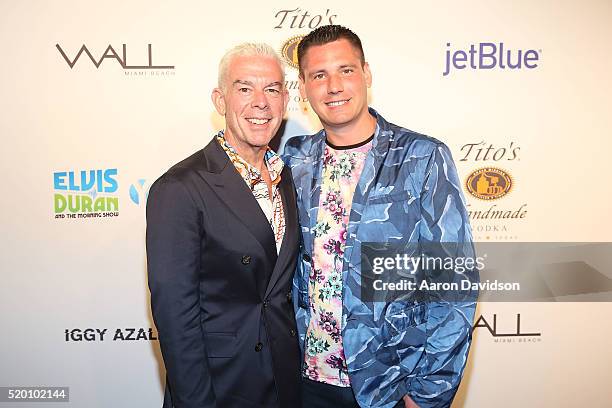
408,192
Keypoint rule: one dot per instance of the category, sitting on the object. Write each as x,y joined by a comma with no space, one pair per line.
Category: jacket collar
383,135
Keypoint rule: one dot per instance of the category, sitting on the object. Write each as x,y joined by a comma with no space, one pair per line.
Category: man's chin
336,121
260,141
263,133
334,118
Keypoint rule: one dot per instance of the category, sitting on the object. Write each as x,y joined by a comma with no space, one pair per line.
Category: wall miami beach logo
133,61
85,194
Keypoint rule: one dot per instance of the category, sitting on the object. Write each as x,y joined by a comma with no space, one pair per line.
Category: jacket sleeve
444,231
173,264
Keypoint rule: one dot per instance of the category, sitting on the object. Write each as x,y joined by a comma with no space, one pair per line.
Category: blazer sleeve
444,227
173,265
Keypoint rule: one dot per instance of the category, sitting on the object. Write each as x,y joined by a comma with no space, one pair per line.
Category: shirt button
258,347
246,259
306,257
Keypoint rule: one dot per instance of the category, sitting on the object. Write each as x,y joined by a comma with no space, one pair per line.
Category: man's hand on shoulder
409,403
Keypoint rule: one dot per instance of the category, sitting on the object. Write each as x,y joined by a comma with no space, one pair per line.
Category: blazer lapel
291,237
227,183
314,191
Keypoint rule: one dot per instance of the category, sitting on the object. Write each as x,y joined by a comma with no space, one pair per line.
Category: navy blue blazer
220,294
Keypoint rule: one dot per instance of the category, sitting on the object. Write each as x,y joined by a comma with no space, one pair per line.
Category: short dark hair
326,34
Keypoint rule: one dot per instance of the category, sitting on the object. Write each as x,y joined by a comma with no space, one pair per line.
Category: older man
222,241
362,179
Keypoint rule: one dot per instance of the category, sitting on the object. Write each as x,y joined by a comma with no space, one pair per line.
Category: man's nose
334,85
259,100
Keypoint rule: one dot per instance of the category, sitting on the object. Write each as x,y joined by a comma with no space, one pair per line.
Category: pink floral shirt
324,355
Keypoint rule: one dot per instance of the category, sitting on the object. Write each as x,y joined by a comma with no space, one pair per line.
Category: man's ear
218,99
286,99
302,86
367,74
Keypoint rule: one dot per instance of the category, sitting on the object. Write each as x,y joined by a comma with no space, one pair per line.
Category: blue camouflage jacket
408,192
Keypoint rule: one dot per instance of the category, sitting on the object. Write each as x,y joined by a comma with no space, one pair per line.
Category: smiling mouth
258,121
337,103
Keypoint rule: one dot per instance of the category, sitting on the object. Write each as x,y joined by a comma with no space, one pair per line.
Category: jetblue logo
490,56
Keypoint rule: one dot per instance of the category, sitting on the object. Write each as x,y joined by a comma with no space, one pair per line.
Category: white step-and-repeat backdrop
97,99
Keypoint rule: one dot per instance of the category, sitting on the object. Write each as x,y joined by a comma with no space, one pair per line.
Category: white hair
245,50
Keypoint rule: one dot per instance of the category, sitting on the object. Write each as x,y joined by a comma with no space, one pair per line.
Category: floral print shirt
324,355
271,207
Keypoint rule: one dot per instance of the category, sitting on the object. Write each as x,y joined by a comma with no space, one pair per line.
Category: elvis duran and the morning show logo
489,182
85,194
139,63
89,194
489,56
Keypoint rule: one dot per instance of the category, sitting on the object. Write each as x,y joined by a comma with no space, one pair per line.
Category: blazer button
292,333
306,257
266,303
246,259
289,297
258,347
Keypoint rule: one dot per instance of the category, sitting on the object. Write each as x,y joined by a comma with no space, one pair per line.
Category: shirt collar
250,174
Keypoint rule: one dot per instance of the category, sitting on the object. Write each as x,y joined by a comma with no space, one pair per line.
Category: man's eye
318,76
273,90
347,71
243,90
